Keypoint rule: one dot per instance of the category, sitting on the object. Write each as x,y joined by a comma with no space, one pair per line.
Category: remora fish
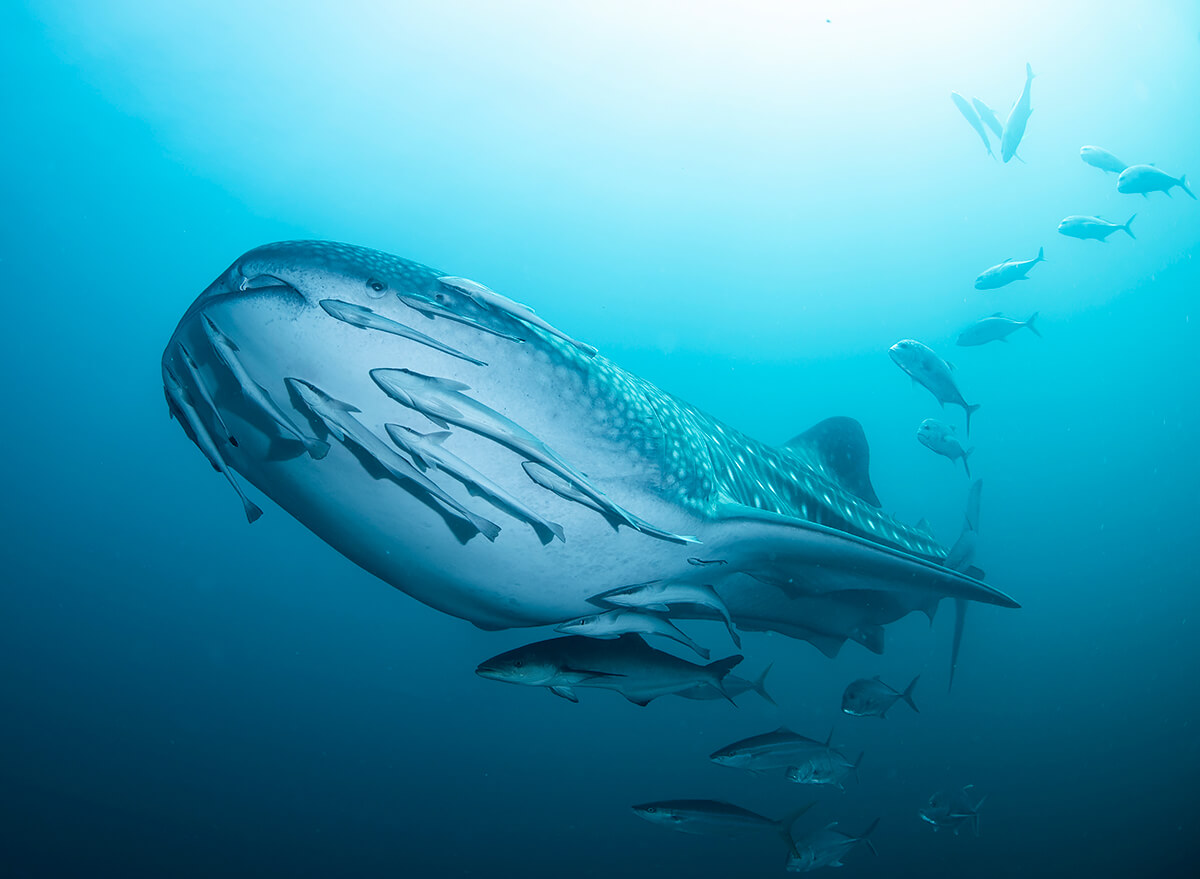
255,393
182,408
628,665
774,750
950,810
937,436
932,373
339,420
1093,228
1102,159
871,697
802,513
972,118
614,623
1143,179
996,328
715,816
659,596
1008,271
734,687
427,451
988,115
1018,117
826,848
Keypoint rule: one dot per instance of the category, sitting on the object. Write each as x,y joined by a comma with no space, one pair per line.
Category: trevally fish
988,116
996,328
937,436
871,697
633,475
827,766
1008,271
972,118
932,373
1101,158
826,848
1093,228
626,664
950,810
615,623
1143,179
773,750
1018,118
715,816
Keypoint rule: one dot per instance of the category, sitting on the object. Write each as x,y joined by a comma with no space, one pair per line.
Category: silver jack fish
587,477
996,328
1018,118
932,373
1101,158
1093,228
952,810
1008,271
1144,179
826,848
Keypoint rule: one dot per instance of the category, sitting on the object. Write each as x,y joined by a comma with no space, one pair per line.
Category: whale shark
309,366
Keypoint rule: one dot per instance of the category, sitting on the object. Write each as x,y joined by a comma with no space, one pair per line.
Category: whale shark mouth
464,450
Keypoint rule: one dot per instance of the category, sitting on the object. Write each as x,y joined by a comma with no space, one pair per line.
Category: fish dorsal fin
840,444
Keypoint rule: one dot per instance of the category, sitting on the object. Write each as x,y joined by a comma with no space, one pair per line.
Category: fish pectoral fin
592,674
565,693
636,701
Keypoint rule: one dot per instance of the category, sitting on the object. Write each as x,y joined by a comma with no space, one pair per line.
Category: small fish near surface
996,328
932,373
988,116
827,766
1010,270
627,664
1144,179
952,810
937,436
1093,228
1018,118
715,816
826,848
774,750
973,119
1101,158
871,697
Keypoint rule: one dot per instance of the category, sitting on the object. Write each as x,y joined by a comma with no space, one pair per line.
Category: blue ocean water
746,204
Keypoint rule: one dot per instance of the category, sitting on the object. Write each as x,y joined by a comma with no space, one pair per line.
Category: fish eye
518,664
376,285
651,810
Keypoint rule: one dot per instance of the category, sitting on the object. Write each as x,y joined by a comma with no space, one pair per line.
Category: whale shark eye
376,285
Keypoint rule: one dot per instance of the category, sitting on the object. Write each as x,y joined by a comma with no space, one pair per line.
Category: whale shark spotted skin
635,477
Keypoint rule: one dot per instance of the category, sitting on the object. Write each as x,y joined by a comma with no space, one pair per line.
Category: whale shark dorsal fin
841,445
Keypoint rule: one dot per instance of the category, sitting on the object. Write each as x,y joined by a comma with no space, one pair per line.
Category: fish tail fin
907,695
1128,230
1182,181
486,527
317,449
967,466
1033,317
970,410
759,684
787,822
253,511
865,837
719,669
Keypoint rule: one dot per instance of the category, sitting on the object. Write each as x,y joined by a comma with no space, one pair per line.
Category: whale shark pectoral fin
824,560
841,445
